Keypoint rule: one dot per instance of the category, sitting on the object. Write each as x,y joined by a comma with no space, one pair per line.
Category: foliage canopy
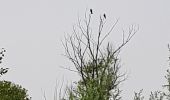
11,91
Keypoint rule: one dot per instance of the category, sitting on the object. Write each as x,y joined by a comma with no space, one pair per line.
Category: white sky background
31,31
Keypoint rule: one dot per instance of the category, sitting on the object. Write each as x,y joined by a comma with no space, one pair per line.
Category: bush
11,91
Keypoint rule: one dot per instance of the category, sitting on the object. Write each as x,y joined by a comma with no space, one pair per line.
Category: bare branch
109,31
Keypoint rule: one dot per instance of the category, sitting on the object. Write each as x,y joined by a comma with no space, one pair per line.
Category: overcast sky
31,31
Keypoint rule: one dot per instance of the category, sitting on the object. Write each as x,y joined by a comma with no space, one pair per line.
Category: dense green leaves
11,91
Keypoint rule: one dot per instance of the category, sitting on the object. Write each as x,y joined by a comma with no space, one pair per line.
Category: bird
104,15
91,11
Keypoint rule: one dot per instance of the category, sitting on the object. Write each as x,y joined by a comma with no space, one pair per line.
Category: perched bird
104,15
91,11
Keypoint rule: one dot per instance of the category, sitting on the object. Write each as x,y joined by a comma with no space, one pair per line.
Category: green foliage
99,88
11,91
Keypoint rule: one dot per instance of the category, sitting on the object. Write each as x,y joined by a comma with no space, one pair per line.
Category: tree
99,69
167,94
158,95
2,70
11,91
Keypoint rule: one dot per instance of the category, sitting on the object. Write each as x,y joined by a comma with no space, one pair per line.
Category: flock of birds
91,12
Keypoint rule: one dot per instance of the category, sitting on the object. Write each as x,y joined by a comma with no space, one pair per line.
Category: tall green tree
97,63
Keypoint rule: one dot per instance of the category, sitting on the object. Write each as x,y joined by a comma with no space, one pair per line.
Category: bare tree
99,68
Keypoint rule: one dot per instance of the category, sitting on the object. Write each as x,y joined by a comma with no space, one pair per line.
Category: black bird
104,15
91,11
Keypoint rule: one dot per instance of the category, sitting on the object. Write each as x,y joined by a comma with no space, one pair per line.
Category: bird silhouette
91,11
104,15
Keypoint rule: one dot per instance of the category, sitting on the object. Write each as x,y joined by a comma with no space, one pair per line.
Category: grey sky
31,32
